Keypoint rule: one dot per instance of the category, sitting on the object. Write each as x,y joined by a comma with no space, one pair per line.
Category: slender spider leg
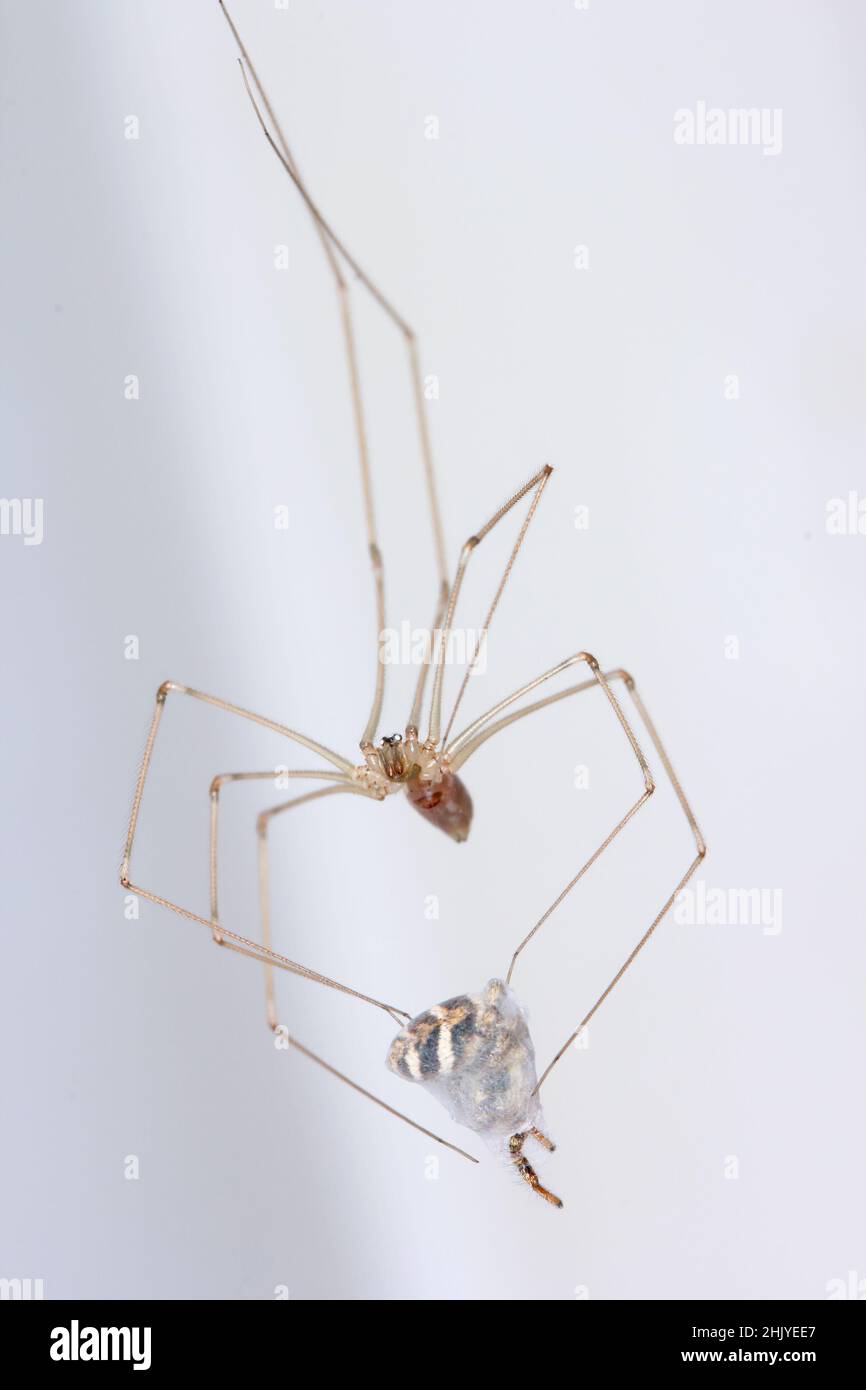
233,940
263,820
572,883
414,721
700,843
470,740
481,729
469,745
215,789
398,1114
668,904
229,778
334,249
536,486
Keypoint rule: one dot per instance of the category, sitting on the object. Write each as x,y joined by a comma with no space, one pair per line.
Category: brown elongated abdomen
444,803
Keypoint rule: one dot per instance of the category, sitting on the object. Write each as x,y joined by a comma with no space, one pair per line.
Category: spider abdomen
444,802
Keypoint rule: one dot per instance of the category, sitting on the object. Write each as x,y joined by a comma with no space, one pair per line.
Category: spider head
393,758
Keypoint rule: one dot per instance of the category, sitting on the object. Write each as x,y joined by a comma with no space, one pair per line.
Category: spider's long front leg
337,253
242,944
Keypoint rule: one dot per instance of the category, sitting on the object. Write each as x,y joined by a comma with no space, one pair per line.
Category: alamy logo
852,1287
418,646
76,1343
700,906
17,1290
23,516
846,516
712,125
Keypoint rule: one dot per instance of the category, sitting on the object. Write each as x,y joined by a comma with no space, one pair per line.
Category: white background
707,521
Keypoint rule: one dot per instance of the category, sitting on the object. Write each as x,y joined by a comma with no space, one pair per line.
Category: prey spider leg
525,1168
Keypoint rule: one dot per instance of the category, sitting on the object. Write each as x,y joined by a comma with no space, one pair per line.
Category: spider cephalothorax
394,757
474,1053
435,792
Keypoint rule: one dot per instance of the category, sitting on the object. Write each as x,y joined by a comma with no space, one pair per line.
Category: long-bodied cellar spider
474,1051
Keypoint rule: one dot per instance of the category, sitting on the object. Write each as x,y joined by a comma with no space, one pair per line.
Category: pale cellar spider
474,1052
